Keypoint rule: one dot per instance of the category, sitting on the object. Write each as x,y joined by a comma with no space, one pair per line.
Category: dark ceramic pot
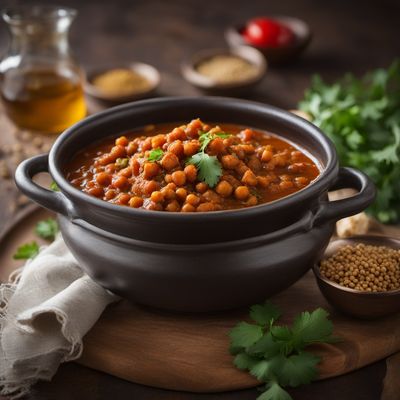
197,261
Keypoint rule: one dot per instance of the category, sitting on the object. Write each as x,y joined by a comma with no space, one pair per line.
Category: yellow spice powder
121,82
227,69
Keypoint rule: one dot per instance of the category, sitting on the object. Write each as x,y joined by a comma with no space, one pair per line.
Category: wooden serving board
190,352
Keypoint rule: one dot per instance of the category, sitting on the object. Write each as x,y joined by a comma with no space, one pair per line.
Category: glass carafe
41,84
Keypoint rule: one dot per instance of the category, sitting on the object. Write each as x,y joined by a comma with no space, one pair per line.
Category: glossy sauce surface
166,167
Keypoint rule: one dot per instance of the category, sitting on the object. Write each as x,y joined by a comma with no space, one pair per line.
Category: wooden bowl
146,70
276,55
356,303
209,86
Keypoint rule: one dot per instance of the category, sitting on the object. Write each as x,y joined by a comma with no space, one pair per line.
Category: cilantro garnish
26,251
208,167
54,187
155,155
47,229
121,162
275,354
362,117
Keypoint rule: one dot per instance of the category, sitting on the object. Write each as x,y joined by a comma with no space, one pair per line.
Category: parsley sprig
208,167
275,354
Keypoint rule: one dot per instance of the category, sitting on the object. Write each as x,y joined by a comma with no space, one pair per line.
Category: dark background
349,36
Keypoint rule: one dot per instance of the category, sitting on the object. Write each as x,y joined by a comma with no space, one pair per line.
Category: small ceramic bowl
276,55
210,86
146,70
356,303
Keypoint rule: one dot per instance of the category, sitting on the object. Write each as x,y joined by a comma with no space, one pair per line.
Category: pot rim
321,183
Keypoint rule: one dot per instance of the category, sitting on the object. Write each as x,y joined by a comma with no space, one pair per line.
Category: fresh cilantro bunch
275,354
362,117
208,167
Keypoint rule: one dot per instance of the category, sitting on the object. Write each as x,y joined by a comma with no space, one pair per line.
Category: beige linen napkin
45,311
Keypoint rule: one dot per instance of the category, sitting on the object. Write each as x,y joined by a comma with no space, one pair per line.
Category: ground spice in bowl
226,68
121,82
364,267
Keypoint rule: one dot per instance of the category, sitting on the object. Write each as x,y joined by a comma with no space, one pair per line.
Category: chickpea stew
192,167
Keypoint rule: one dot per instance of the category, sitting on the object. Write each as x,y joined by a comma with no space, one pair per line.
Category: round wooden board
190,352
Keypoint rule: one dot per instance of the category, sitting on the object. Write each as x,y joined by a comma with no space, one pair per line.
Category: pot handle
335,210
54,201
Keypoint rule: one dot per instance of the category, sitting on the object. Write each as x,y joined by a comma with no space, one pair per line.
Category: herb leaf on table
47,229
27,251
362,117
274,354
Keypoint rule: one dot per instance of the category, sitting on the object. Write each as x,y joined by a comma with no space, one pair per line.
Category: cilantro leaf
54,187
296,370
264,314
155,155
121,162
243,361
310,328
245,334
27,251
275,392
362,117
266,346
47,229
261,369
208,167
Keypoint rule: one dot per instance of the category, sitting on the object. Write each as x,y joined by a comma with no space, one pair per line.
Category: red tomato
264,32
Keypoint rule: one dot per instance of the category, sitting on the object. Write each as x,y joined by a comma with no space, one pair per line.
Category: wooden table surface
348,36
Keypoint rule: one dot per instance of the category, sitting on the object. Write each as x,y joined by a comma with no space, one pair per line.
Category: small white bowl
146,70
207,84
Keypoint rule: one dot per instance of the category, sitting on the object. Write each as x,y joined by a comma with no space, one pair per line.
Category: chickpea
211,196
254,164
229,161
150,170
249,178
173,206
301,181
168,178
120,182
201,187
150,187
179,178
192,199
251,201
188,208
136,202
131,148
176,147
96,191
103,179
263,181
266,156
216,146
181,194
193,127
146,144
286,185
110,194
247,134
154,206
169,194
122,141
157,197
242,192
126,172
117,152
123,198
190,148
176,134
224,189
135,167
157,141
191,173
169,161
203,207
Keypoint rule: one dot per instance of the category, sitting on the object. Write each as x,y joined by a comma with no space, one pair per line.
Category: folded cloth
45,311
